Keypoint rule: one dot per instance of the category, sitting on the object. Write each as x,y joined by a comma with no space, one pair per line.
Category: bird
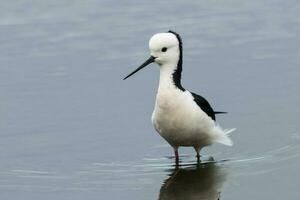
181,117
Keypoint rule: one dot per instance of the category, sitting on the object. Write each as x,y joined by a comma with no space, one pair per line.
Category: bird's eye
164,49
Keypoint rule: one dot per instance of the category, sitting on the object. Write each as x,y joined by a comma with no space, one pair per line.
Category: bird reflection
201,181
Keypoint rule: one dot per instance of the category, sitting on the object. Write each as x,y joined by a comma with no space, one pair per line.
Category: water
71,128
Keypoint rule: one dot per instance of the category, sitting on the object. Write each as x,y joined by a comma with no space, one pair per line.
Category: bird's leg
198,157
176,156
197,149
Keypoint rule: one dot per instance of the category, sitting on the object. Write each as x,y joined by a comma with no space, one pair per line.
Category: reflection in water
202,181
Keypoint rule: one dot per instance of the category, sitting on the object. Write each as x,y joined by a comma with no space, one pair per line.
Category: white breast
179,120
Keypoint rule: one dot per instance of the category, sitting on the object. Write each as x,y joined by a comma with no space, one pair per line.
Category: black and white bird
181,117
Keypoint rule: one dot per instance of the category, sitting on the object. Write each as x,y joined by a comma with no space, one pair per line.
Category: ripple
144,172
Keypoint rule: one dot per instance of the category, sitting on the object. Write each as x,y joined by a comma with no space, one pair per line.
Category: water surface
71,128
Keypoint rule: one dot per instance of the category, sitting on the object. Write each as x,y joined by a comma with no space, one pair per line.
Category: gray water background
71,128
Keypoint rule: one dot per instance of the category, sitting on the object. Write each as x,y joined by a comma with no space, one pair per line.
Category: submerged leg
198,154
198,158
176,156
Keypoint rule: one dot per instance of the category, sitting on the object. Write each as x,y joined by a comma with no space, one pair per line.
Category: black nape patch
177,72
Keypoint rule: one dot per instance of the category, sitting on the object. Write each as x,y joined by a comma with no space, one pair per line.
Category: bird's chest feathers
167,100
170,109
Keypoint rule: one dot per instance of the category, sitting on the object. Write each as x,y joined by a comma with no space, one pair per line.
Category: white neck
166,77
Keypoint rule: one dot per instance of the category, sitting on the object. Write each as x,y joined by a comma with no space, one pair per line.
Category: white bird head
165,50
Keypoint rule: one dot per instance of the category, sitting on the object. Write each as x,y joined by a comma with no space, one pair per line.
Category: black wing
204,105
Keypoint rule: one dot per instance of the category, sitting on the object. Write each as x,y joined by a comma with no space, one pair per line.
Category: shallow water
71,128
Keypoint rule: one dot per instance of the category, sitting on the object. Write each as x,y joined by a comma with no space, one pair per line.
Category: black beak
147,62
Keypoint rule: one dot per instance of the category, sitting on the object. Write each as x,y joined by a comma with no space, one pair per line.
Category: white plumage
176,116
179,120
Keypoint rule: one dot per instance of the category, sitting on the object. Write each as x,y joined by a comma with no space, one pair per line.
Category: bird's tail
222,136
220,112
